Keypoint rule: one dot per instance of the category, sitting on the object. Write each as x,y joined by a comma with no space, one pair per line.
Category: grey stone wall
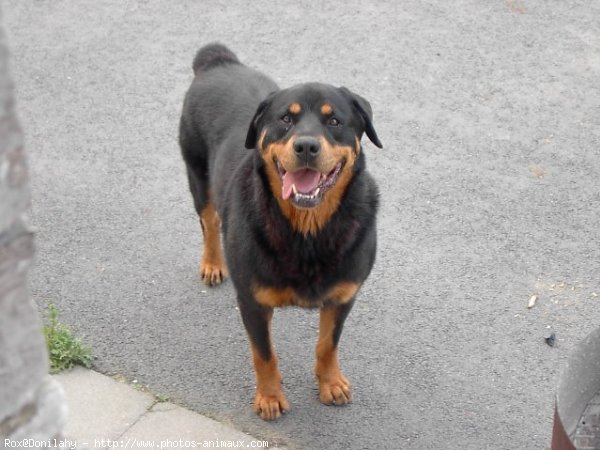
31,404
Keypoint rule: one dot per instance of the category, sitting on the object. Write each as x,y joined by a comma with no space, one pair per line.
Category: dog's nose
307,148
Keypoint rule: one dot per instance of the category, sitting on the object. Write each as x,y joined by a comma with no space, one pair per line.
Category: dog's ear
363,108
253,128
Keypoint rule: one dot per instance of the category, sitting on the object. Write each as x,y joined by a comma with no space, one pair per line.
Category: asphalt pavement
489,113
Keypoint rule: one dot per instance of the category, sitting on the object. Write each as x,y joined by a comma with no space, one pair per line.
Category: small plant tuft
160,398
64,349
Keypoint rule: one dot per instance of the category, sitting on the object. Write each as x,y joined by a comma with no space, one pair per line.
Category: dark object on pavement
551,340
577,403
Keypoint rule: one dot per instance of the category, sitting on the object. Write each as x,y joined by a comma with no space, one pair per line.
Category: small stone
532,301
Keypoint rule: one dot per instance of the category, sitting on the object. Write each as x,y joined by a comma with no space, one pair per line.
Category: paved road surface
490,117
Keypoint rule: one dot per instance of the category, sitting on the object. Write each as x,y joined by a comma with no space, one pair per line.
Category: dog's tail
213,55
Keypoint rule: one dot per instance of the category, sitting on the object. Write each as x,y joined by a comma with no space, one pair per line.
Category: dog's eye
333,122
287,119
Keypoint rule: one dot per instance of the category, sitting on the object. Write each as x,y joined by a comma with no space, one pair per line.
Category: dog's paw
212,274
271,407
334,390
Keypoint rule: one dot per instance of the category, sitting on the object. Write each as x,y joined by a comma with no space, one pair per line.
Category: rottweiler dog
282,173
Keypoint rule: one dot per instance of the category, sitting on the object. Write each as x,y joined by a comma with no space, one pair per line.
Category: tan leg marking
270,401
212,267
334,387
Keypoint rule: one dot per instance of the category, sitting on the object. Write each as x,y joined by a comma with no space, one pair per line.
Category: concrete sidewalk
106,413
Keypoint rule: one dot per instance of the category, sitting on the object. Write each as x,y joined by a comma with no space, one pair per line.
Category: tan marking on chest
279,297
343,292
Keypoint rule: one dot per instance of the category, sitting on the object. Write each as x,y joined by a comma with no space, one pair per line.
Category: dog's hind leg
213,269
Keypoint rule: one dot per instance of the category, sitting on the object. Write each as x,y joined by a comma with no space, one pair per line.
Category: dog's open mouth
305,187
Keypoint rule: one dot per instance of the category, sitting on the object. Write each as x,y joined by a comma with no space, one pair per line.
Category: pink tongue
306,180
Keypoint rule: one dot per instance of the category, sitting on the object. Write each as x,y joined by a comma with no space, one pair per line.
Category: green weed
64,349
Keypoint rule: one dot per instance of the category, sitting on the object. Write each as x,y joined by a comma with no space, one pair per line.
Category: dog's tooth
317,192
294,190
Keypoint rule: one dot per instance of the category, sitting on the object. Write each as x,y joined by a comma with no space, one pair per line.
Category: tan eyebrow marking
326,109
295,108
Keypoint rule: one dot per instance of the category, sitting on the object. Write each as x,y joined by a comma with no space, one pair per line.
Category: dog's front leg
334,387
270,401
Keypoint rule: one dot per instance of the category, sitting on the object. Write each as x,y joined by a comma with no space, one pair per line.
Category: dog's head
309,138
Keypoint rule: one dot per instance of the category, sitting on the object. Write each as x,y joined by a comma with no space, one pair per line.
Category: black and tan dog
282,172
